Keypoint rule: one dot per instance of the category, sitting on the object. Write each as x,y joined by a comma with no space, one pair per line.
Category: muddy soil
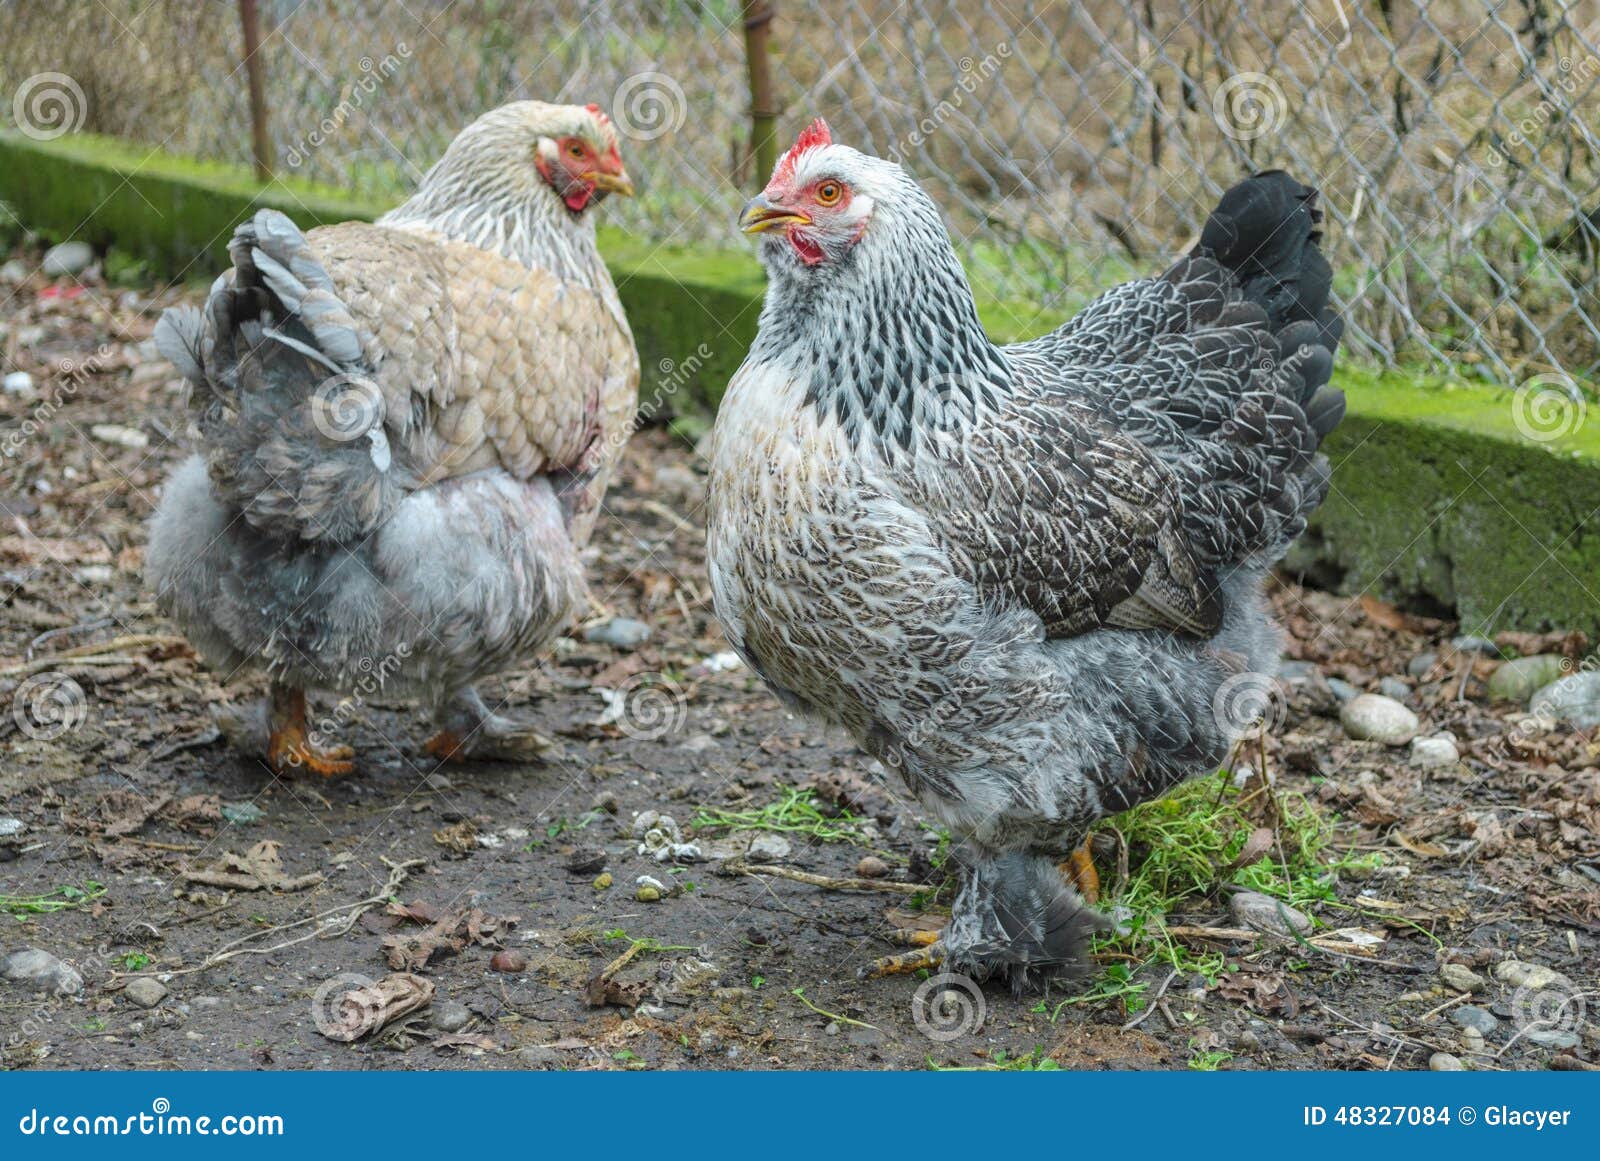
167,868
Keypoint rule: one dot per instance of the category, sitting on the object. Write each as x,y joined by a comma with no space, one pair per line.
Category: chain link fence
1071,145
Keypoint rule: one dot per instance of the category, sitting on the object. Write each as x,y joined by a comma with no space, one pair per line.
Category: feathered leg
470,731
290,748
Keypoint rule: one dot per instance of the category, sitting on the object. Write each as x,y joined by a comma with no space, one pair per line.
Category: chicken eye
829,192
575,151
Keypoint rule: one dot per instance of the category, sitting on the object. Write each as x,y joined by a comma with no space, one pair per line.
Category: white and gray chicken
1021,576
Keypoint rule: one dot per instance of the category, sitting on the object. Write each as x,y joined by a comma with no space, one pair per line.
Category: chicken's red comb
813,135
600,114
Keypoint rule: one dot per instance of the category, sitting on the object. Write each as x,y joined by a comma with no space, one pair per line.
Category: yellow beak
760,215
616,183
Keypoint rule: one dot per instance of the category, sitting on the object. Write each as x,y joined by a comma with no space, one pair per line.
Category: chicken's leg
469,730
927,952
289,748
1080,872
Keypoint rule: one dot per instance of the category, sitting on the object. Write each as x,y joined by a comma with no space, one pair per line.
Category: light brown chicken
406,428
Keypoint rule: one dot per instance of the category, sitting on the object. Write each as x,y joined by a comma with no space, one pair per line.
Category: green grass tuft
794,812
61,899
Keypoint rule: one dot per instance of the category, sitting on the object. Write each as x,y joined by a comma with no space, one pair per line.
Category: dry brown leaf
258,869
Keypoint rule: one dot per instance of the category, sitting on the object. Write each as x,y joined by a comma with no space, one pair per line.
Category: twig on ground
398,874
827,882
1154,1000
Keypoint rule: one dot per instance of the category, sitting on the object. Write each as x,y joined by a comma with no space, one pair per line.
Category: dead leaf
446,936
1419,846
258,869
460,838
362,1011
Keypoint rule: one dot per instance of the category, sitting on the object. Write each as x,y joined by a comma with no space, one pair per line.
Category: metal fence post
260,139
763,111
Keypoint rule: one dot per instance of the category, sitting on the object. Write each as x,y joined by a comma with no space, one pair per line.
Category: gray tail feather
292,422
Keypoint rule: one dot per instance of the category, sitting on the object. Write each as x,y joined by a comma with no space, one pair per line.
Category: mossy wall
1439,499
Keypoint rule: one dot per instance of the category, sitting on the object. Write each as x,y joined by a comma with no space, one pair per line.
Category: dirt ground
142,847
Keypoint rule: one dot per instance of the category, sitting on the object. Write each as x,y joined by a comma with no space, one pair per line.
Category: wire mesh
1070,145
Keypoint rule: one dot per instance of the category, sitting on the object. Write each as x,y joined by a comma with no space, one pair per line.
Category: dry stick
1154,1000
398,873
827,882
97,653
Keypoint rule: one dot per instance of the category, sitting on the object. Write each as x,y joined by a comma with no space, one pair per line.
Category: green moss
1438,497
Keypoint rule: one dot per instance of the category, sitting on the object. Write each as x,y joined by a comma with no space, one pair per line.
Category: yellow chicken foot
928,953
1080,872
289,748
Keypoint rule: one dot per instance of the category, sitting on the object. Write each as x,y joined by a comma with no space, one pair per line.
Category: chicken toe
470,731
291,748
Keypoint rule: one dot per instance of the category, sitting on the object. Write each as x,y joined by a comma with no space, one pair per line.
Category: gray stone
769,847
1520,678
1551,1038
20,384
67,258
1475,645
1343,690
1574,699
1395,688
1461,978
145,992
1422,664
1372,717
451,1016
1431,753
41,971
1526,975
11,826
1479,1018
14,271
1298,670
539,1056
1444,1062
619,633
1263,913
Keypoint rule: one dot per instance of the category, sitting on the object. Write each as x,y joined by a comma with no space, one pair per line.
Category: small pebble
1574,699
67,258
1472,1040
872,867
129,437
1526,975
1422,664
769,848
20,384
1461,978
1395,688
508,961
1479,1018
1552,1038
1475,645
606,801
1444,1062
1374,718
145,992
603,881
1342,690
1431,753
1266,914
33,968
1522,677
451,1016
